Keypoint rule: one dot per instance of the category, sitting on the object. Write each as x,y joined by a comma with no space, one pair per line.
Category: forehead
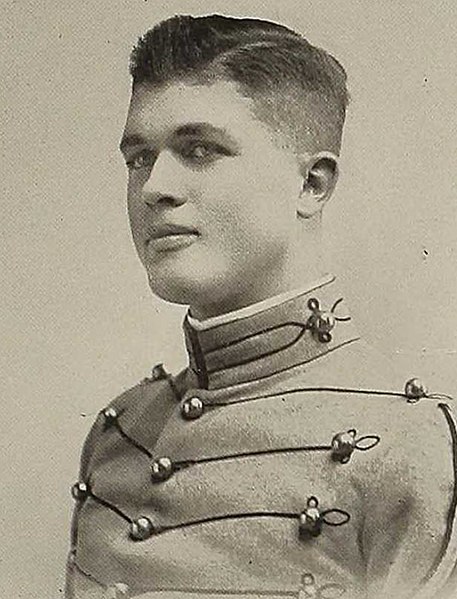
156,111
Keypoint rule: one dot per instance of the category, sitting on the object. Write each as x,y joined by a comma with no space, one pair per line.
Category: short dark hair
298,89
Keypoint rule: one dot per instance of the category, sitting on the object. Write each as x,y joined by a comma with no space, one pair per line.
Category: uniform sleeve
145,406
410,530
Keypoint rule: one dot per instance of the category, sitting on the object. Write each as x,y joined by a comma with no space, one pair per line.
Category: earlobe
320,175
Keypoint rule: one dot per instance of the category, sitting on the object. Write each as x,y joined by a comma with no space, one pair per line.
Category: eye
201,151
144,159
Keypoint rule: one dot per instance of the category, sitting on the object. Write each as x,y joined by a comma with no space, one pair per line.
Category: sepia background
78,324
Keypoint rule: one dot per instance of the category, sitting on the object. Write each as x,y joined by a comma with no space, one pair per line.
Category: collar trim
275,337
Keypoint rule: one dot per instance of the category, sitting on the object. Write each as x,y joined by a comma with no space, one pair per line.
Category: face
212,196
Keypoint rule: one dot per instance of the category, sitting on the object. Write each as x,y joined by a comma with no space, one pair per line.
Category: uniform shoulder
416,424
134,396
415,464
415,412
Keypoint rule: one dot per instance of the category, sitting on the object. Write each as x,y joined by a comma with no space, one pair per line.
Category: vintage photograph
231,319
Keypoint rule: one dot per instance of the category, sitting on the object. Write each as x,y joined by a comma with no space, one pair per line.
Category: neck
243,296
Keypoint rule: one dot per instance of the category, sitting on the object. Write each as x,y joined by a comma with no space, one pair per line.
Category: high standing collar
256,345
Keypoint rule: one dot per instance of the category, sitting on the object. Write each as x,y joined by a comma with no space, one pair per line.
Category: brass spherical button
343,445
79,491
310,520
307,579
192,408
321,324
141,529
110,415
308,589
158,372
313,304
161,469
325,322
415,390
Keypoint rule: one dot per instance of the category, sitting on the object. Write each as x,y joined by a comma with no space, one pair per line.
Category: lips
167,237
169,230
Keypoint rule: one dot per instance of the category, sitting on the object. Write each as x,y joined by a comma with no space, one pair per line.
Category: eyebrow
201,128
187,130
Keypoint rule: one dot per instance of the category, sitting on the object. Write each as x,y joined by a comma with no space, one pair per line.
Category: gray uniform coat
287,460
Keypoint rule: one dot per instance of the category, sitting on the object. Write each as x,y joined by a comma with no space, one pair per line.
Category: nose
164,184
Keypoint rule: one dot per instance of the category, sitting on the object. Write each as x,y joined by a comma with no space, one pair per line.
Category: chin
181,288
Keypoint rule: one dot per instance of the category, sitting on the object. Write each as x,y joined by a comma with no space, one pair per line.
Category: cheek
253,204
135,204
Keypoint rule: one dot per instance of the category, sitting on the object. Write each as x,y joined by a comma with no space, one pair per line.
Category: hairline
212,74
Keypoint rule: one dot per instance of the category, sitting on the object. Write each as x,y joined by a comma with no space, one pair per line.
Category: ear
320,174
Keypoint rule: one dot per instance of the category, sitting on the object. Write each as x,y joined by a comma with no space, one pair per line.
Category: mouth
169,230
169,237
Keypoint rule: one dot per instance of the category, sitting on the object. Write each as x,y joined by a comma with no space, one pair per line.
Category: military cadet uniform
285,461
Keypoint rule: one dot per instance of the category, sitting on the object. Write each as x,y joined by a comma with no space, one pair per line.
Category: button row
310,522
342,447
193,408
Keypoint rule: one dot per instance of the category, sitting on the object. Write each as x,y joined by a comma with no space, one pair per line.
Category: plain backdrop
78,324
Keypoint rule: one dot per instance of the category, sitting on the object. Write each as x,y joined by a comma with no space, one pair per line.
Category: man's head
232,133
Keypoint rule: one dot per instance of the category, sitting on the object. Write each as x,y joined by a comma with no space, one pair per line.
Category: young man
286,460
